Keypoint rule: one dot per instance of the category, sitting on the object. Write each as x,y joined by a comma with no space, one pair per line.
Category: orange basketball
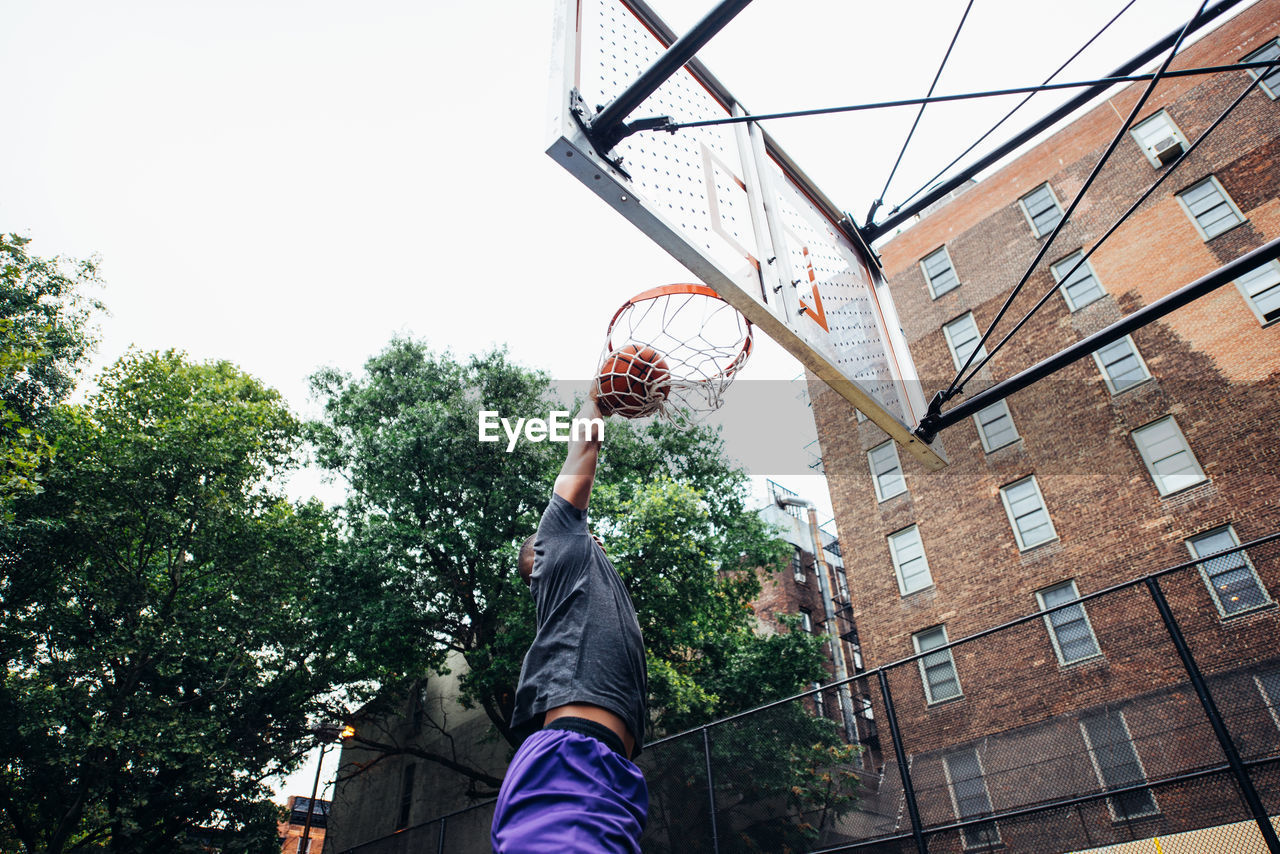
634,381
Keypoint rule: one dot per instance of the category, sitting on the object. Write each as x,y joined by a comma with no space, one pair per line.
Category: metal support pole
1215,718
304,842
934,422
908,791
872,231
711,790
608,126
444,825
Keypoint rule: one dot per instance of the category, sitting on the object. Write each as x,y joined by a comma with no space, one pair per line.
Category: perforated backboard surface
732,207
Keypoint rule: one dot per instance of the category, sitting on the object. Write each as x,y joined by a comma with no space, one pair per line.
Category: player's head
525,561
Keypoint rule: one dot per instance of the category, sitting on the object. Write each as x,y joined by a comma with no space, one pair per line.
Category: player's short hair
524,563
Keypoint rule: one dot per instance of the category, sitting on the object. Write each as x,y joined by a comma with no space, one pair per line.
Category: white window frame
1066,264
955,802
1174,131
1106,376
1204,235
1272,703
1026,212
1249,298
951,659
950,337
797,565
806,620
1255,73
1208,582
1053,630
1013,521
883,492
1097,769
982,433
928,279
893,539
1158,480
819,707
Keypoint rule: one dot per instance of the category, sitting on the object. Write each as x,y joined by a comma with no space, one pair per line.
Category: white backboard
732,207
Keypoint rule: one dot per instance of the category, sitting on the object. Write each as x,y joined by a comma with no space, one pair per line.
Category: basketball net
701,340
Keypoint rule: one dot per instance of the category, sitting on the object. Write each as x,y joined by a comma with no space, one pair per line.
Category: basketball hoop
699,343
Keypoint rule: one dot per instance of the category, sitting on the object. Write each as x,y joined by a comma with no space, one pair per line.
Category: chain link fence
1140,718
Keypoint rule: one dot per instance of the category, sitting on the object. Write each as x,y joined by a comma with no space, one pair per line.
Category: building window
1069,629
806,620
963,339
995,426
406,797
1121,366
909,562
970,798
937,669
1167,456
1261,289
1027,514
1078,288
886,471
1271,83
1210,208
1231,578
1116,762
842,584
797,565
939,273
1159,139
1042,209
1269,686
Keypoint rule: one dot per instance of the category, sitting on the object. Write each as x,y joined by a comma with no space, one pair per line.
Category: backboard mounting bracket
582,115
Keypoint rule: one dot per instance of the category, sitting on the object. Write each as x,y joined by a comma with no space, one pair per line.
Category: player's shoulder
562,517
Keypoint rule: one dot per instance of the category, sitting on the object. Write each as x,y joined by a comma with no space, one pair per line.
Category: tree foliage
164,648
44,338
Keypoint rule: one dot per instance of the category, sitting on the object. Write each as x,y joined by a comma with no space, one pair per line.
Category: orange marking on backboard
816,312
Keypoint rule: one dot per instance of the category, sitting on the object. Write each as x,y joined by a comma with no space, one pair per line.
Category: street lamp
326,735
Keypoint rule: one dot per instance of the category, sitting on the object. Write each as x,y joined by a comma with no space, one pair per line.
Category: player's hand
593,408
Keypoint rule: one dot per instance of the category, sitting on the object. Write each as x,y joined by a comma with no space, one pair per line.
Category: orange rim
686,288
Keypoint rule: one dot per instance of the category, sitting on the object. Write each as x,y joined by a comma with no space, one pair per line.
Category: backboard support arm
936,420
873,231
608,127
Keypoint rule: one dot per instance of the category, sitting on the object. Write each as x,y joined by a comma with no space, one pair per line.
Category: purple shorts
566,792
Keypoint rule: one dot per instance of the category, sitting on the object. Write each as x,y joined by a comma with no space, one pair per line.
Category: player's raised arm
579,470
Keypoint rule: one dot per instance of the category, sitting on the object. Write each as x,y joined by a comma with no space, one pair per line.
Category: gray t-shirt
588,648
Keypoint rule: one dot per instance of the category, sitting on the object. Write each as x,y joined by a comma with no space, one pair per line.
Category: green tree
163,638
435,517
44,338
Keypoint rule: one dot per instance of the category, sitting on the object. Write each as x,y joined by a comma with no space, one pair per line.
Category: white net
672,351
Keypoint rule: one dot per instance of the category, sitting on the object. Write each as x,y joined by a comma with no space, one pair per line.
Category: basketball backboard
731,206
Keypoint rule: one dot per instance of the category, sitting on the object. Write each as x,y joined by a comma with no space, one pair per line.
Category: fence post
444,823
908,791
1215,717
711,789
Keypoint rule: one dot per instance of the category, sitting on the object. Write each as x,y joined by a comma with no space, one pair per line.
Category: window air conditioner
1167,150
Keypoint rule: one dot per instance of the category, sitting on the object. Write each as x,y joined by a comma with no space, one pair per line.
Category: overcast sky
287,185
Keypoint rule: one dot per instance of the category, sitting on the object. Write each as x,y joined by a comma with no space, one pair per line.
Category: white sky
288,184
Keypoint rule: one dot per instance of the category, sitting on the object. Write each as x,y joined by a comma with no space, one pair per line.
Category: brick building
291,829
798,591
1159,449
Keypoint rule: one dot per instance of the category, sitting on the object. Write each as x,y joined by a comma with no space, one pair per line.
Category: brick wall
1214,368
